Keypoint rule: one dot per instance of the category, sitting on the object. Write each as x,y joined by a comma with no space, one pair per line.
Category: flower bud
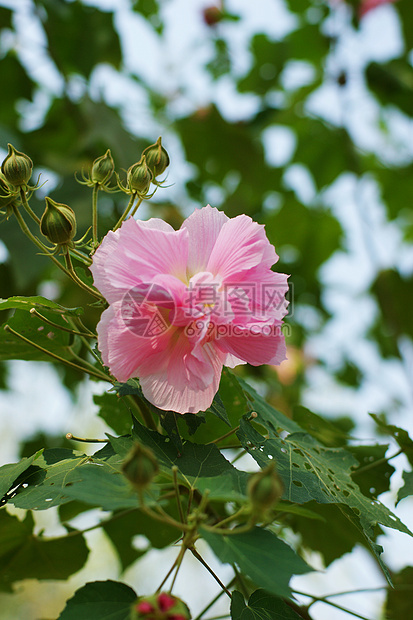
139,177
157,158
58,222
17,167
140,466
163,606
265,488
102,168
212,15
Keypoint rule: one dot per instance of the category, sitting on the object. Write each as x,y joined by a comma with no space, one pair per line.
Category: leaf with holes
62,475
311,471
10,473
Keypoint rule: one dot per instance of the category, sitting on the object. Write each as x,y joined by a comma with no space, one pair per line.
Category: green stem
214,600
81,256
178,563
165,518
178,497
57,357
230,518
170,571
138,204
57,326
72,273
231,432
95,214
323,599
209,569
35,240
26,206
126,211
72,437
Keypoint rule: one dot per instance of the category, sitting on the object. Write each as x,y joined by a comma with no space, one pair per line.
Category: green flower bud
102,168
140,466
58,222
139,177
265,488
17,167
157,158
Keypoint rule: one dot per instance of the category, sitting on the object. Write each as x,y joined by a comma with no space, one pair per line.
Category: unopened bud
102,168
140,466
212,15
58,222
139,177
17,167
157,158
161,606
265,488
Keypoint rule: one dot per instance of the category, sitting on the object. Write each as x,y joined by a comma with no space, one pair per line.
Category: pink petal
203,226
262,291
122,349
241,245
179,386
135,253
256,344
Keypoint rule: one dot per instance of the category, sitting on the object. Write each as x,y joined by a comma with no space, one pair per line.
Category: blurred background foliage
285,124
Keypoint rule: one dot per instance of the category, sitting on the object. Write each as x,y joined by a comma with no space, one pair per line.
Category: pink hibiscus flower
184,303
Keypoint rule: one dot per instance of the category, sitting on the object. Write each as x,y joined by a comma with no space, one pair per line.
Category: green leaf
399,599
218,409
167,418
43,486
49,338
407,489
312,471
201,466
261,606
323,430
19,84
100,600
392,83
80,37
63,475
26,556
40,304
330,535
114,412
10,473
267,415
400,435
269,60
260,555
122,530
374,473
